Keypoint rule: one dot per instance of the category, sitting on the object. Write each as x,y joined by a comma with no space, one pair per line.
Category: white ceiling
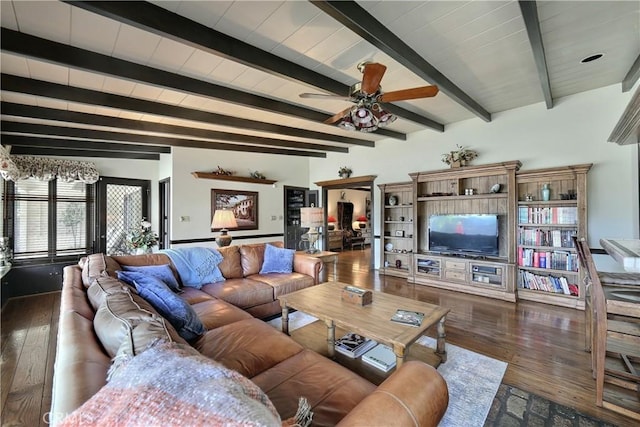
482,47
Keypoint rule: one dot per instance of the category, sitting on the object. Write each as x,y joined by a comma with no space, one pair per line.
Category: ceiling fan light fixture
362,116
383,116
368,128
346,123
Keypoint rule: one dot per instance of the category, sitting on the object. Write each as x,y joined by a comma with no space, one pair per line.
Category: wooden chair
615,339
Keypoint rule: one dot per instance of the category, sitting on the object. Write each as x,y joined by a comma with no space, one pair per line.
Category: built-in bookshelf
548,268
396,252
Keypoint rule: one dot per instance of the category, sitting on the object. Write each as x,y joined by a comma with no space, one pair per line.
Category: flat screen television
465,234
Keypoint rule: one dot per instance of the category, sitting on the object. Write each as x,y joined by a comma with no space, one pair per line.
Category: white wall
573,132
191,197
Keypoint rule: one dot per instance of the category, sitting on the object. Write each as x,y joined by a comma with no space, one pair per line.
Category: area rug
473,379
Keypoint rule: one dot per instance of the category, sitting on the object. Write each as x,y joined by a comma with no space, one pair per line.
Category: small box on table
357,296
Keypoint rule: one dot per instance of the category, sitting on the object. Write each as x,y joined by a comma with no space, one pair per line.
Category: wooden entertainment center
501,190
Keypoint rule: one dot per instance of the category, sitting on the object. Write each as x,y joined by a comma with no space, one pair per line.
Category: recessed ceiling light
592,58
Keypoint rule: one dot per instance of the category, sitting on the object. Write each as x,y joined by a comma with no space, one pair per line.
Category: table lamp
331,220
363,221
313,218
223,219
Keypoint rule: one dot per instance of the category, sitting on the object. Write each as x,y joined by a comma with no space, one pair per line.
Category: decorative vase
142,251
345,175
546,192
398,263
456,164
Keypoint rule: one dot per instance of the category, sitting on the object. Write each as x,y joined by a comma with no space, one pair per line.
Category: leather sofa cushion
126,324
98,265
103,286
284,283
214,313
242,293
74,296
252,256
249,346
193,295
81,365
265,311
231,267
331,390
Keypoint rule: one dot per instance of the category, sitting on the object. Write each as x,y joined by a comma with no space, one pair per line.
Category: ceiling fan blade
323,96
336,117
371,77
413,93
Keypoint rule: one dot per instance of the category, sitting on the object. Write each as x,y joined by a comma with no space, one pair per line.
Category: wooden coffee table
372,321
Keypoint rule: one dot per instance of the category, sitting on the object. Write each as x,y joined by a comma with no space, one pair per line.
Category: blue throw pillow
169,305
277,260
162,272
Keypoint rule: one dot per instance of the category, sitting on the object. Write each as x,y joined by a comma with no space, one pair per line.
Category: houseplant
459,157
344,172
142,239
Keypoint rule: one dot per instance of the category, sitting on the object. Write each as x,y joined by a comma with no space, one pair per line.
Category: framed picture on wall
243,204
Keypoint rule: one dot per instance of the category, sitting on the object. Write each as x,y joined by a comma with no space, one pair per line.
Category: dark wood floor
543,344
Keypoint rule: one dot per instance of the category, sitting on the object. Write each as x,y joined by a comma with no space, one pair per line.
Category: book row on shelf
538,237
550,283
554,260
548,215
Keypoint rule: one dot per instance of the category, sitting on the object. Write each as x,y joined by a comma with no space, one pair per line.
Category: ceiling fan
368,114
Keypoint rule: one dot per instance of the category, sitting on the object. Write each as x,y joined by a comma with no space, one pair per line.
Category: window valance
14,168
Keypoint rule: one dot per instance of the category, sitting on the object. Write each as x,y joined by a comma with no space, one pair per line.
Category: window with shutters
49,219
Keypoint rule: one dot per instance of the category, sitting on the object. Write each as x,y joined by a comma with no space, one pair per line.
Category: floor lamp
223,219
312,218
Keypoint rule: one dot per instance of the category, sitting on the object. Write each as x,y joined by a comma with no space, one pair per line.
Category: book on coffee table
381,357
407,317
353,345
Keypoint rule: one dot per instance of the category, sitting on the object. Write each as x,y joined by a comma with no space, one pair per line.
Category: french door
121,205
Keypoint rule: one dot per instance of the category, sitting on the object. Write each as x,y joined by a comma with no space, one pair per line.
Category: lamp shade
362,218
223,219
311,217
331,218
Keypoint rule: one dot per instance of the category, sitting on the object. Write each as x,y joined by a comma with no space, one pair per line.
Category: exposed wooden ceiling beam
30,111
70,56
357,19
632,76
149,17
529,9
97,136
41,147
72,144
11,83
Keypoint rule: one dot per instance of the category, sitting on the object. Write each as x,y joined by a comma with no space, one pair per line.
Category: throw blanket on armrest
196,266
171,384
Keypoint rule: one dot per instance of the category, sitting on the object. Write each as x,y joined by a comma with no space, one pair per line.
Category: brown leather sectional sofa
101,318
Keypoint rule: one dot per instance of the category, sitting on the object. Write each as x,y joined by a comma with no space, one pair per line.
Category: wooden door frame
100,244
345,183
164,199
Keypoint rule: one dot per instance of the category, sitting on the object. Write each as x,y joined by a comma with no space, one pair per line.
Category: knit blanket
196,266
171,384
